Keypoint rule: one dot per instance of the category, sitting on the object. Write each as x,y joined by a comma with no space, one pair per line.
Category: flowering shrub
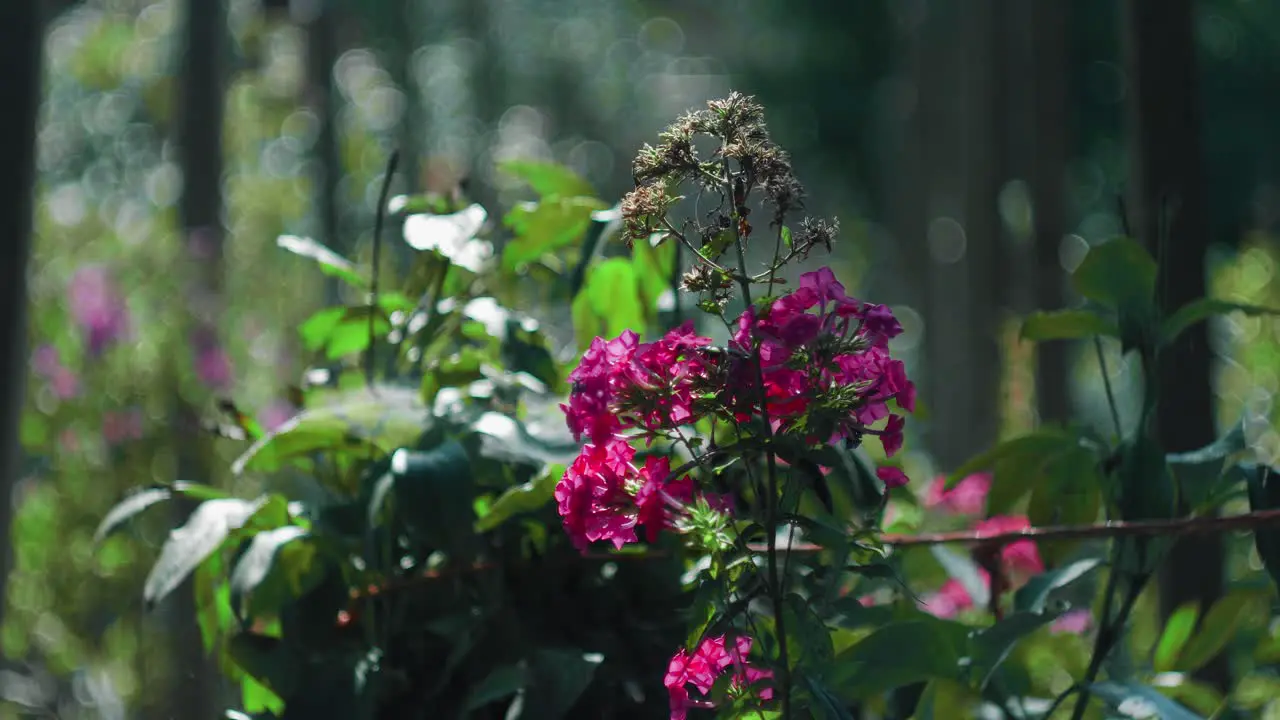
720,513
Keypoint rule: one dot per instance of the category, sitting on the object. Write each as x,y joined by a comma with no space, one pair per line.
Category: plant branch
379,215
1113,529
775,586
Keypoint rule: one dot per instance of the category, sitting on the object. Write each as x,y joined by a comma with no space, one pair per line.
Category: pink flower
708,662
97,307
120,427
968,497
825,364
592,497
892,476
1021,557
891,436
622,383
602,496
276,414
1074,622
952,599
46,362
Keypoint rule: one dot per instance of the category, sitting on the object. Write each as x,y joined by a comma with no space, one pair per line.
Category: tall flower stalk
804,371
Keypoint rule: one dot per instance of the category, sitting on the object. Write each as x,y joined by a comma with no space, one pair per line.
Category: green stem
1106,384
771,499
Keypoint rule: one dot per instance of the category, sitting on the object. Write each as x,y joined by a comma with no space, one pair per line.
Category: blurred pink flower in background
968,497
1075,622
276,414
951,599
97,306
48,364
213,365
122,426
1020,557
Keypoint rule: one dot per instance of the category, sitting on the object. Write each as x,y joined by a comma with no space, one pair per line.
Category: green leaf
1217,629
523,498
1069,492
990,646
129,508
451,236
433,493
330,262
809,640
1033,596
503,681
544,227
1139,701
352,336
614,296
267,660
1147,491
279,565
921,649
258,699
1199,473
504,438
380,420
1117,274
825,704
1264,494
1030,462
317,329
1067,325
557,679
1035,443
133,505
1203,309
547,179
654,263
1177,631
188,546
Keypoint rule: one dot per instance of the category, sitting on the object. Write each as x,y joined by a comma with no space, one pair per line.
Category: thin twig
378,217
1113,529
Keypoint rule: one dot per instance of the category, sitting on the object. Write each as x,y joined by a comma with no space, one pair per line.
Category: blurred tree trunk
1166,140
1048,152
318,20
199,144
959,181
21,36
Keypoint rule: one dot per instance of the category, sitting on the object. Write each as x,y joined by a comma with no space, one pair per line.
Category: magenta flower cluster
714,657
814,363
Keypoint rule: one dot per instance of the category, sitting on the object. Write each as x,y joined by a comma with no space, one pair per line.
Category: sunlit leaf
330,262
525,497
138,501
1218,628
453,236
189,545
1177,631
546,226
273,552
547,179
382,419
